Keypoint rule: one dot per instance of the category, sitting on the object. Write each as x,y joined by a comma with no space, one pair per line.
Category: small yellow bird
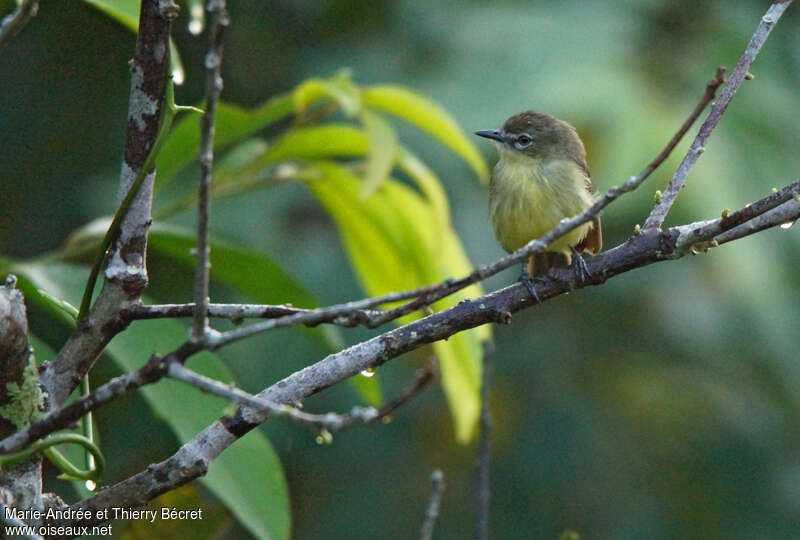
540,179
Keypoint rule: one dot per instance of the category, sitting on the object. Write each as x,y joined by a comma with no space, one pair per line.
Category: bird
540,179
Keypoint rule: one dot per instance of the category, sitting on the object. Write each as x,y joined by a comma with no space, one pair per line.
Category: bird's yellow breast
528,197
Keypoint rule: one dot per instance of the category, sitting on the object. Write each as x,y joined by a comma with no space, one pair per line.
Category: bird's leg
529,283
580,266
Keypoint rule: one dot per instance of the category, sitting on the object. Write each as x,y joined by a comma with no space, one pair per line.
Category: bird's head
538,136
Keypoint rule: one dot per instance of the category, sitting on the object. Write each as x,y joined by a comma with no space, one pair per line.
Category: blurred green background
664,404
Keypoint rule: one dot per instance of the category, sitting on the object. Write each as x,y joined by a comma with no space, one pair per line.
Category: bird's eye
523,140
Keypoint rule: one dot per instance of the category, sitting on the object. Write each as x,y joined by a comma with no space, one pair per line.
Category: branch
13,23
437,489
193,458
236,312
484,454
126,274
20,397
784,216
15,355
678,181
157,368
352,312
153,370
648,247
328,421
218,15
743,216
319,422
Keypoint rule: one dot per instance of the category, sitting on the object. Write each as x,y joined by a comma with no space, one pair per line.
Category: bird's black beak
490,134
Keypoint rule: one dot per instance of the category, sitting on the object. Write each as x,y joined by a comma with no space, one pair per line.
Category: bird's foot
580,266
530,284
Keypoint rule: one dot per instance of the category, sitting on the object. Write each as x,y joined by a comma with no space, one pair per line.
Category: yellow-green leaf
232,124
428,184
427,116
381,152
395,241
339,88
327,140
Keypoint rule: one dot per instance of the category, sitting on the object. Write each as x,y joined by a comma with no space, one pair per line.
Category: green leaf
63,305
241,269
395,241
41,350
429,117
123,11
248,476
247,271
340,88
428,184
232,123
257,276
381,153
233,174
244,171
48,287
126,12
326,140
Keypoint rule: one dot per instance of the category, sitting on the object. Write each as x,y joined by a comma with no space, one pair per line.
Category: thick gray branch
21,483
126,274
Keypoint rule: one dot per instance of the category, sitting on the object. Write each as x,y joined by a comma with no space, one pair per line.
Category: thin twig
311,317
13,23
238,312
678,181
422,378
432,512
745,215
484,451
708,96
424,296
218,15
784,216
327,421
